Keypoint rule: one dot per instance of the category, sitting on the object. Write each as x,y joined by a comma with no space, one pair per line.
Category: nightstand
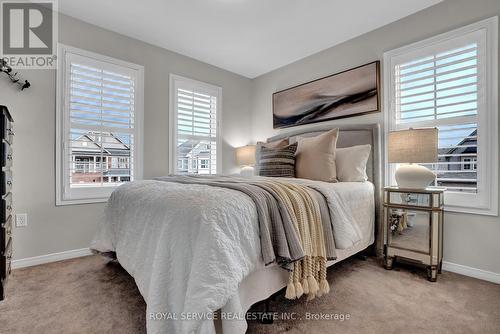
414,227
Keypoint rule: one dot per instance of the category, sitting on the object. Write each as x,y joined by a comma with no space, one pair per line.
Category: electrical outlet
21,220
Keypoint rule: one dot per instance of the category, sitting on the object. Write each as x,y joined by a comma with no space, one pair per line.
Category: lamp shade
245,155
413,146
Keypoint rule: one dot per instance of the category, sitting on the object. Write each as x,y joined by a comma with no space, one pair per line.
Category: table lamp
245,158
413,146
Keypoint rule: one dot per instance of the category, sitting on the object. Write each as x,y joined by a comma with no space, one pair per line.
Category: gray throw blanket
279,240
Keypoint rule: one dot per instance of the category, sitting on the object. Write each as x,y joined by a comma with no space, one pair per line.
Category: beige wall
56,229
470,240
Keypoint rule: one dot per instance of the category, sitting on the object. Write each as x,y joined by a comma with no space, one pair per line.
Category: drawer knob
9,183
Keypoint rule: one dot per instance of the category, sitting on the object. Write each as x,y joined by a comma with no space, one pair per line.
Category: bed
215,265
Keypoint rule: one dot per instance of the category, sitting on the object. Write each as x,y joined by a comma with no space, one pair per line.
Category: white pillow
351,163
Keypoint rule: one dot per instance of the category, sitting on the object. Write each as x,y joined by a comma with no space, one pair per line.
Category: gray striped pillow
277,162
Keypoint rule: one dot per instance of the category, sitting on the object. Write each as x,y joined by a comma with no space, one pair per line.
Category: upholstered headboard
351,135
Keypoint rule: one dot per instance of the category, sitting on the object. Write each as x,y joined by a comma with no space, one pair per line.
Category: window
467,164
182,165
204,164
194,127
450,82
99,119
123,163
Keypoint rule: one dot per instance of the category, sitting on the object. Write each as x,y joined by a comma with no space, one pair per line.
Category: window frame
174,78
96,194
484,202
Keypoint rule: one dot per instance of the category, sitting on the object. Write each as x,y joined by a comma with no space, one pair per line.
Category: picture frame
353,92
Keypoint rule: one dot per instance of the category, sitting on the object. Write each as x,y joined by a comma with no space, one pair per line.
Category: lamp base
247,171
414,177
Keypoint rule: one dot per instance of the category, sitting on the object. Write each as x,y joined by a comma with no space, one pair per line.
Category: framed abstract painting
346,94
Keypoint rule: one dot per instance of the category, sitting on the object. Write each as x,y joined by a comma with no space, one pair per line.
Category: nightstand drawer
6,185
409,199
6,207
5,261
5,233
6,129
409,229
6,155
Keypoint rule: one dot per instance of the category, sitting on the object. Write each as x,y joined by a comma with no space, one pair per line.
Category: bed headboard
350,135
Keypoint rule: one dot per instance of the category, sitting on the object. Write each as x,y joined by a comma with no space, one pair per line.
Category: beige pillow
315,157
351,163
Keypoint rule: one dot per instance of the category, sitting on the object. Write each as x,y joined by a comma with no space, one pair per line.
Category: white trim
53,257
76,253
172,115
102,195
472,272
487,202
171,128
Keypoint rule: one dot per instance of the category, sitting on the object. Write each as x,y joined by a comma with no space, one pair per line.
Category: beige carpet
87,295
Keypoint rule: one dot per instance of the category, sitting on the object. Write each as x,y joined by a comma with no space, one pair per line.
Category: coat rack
13,76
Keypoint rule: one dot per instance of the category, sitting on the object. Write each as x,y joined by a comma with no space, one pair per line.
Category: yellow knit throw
309,274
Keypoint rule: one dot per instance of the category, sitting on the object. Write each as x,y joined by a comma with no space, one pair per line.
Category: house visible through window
194,127
449,82
98,122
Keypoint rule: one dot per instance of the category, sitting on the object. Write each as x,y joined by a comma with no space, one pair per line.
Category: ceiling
247,37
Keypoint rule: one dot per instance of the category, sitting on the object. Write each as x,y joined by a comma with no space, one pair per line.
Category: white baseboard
71,254
36,260
472,272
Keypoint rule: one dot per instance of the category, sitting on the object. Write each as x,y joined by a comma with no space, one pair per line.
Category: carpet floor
88,295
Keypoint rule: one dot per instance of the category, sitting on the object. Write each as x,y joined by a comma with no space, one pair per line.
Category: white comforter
188,247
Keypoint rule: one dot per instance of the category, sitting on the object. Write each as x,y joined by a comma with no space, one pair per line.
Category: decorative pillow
273,144
316,157
351,163
278,162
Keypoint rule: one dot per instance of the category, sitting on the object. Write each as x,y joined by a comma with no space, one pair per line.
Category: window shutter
100,141
196,128
443,89
444,85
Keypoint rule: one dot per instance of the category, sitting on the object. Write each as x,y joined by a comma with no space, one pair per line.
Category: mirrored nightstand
414,227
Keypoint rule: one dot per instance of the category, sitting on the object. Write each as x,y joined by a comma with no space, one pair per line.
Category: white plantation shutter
195,133
99,132
445,83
